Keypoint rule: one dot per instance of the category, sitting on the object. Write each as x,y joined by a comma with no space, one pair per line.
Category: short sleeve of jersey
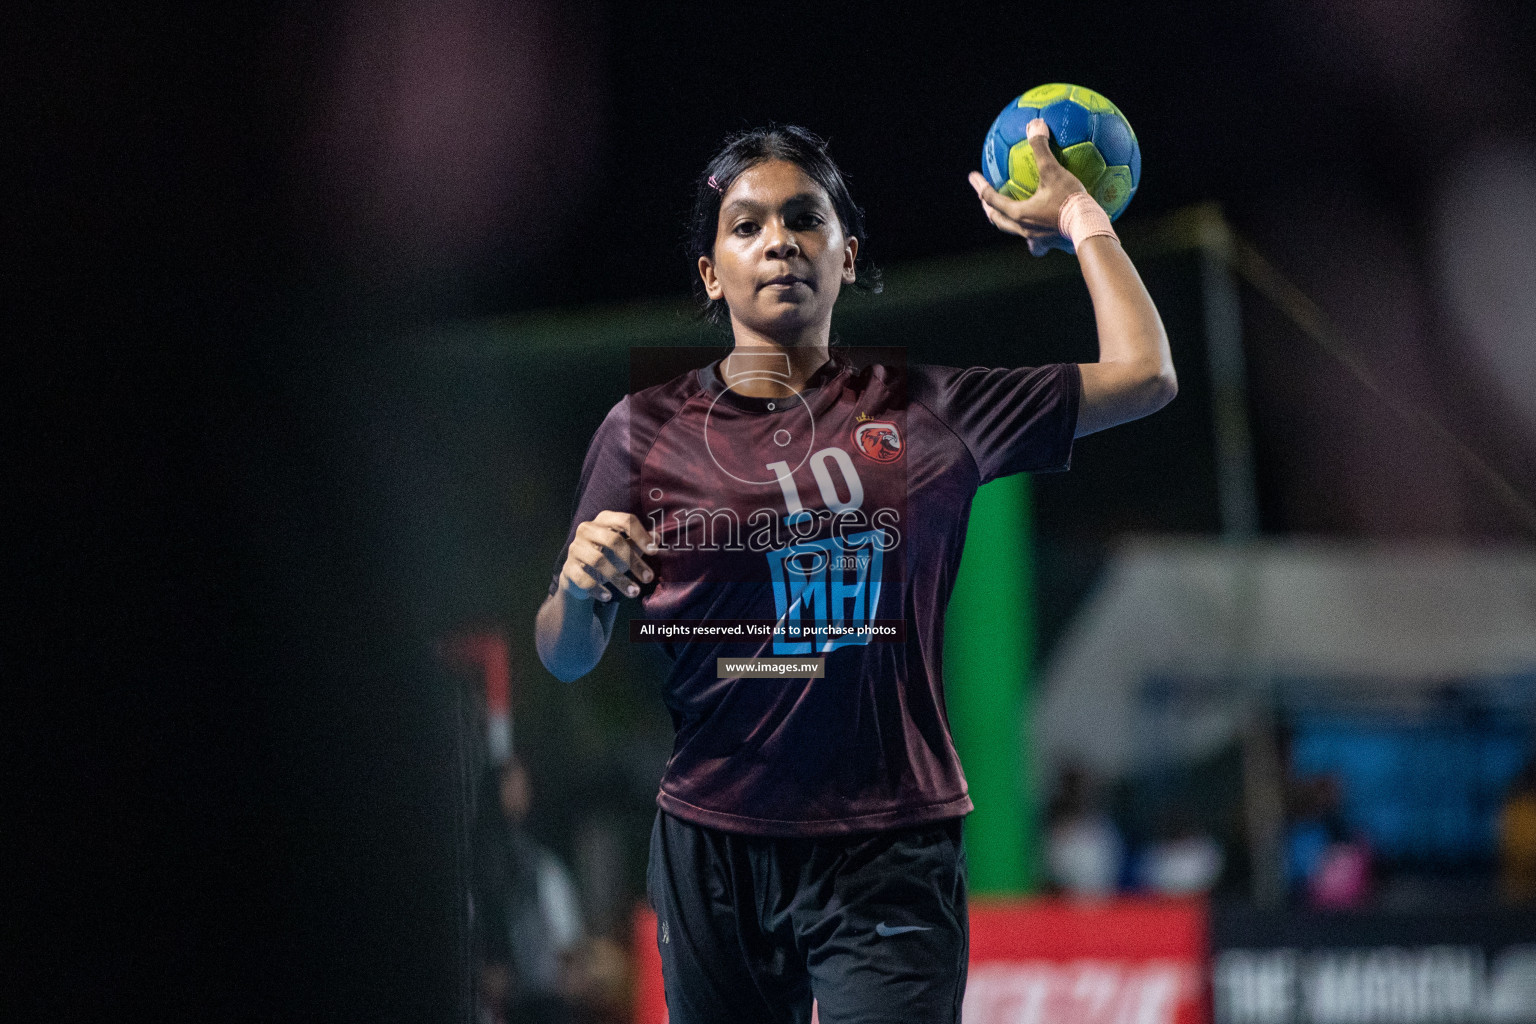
605,478
1017,420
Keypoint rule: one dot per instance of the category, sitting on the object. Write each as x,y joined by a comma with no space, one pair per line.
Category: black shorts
874,926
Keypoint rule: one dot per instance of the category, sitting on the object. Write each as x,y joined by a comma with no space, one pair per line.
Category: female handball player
807,842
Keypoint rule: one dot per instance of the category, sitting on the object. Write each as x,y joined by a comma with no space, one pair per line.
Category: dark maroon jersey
830,516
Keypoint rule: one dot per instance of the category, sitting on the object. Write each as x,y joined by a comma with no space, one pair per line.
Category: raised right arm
1134,376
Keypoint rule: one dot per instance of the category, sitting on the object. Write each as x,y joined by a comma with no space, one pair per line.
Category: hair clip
715,185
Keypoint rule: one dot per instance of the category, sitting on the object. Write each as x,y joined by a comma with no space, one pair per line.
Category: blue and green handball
1089,135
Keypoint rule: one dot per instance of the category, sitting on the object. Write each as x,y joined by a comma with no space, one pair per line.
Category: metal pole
1263,774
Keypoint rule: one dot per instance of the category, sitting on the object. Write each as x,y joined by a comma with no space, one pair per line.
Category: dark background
238,776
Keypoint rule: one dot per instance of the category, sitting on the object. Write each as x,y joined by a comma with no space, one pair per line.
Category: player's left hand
1036,219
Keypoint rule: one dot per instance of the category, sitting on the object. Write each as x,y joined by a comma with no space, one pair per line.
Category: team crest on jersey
878,440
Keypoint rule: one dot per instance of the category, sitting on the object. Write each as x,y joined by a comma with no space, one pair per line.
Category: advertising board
1296,967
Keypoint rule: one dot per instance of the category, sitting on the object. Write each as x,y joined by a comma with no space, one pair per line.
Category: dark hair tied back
746,149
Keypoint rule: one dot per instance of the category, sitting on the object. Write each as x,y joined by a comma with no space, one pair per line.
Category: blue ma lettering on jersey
824,591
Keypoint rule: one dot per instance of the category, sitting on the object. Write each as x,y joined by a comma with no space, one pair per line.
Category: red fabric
1057,929
488,653
650,998
1070,962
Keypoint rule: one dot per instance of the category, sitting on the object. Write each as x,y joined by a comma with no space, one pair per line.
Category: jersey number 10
820,463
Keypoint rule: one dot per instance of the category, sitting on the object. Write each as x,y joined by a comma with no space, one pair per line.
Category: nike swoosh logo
885,931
